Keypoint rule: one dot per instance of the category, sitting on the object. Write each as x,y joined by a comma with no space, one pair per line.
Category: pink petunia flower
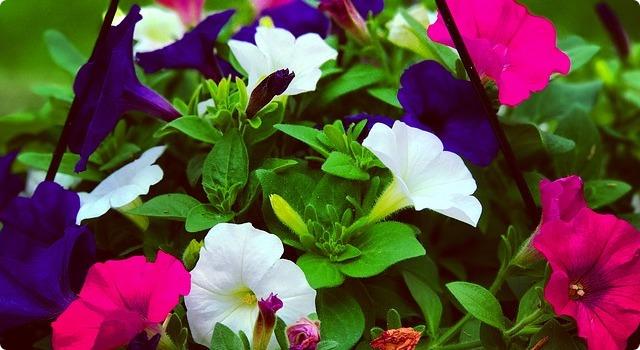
120,299
265,4
507,44
595,279
561,199
190,11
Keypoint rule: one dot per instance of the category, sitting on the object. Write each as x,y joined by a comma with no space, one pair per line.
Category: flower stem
63,141
515,330
505,146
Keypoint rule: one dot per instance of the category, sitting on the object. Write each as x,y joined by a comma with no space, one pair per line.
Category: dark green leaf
342,318
63,52
580,52
225,339
305,134
320,271
227,165
359,76
600,193
41,161
195,127
343,165
174,206
427,300
203,217
554,337
386,95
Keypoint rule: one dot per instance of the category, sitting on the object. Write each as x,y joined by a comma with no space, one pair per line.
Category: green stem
467,345
523,323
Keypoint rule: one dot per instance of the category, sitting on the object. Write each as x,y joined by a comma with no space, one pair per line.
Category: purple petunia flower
195,50
434,100
365,7
297,17
44,255
106,87
11,184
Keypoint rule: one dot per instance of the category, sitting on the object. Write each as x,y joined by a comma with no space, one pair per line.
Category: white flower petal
466,209
92,207
310,52
157,28
252,60
303,82
277,45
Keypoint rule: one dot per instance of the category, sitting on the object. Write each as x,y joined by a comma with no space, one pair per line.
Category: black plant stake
507,151
63,141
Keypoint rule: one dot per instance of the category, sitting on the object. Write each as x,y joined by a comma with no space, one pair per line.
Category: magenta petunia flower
190,11
507,44
561,199
595,279
119,300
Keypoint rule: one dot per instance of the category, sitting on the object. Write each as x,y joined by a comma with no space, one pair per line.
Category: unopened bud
345,14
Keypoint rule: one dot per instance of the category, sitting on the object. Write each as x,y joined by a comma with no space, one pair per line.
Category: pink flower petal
265,4
507,44
190,11
119,299
561,199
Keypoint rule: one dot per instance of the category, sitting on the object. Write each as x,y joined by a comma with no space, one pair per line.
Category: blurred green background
24,60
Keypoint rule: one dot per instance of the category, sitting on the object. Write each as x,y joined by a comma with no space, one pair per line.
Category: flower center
576,291
246,297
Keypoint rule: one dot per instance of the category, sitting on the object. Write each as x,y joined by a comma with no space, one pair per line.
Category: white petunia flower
425,176
157,28
122,187
35,177
277,49
238,266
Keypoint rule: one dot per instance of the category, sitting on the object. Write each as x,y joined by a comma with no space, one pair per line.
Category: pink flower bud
304,334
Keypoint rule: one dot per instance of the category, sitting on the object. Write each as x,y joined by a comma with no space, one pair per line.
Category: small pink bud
304,334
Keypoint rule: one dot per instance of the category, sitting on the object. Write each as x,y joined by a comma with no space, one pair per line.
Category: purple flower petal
270,87
436,101
106,87
366,6
195,50
11,184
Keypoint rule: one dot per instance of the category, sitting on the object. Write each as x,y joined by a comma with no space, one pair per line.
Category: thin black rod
63,141
507,151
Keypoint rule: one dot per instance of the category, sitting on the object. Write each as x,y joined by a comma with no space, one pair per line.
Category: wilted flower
238,266
397,339
190,11
195,50
44,255
278,49
435,101
123,186
304,334
107,87
425,176
595,263
120,299
157,29
507,44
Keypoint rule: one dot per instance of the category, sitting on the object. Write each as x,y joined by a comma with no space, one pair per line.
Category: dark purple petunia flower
44,255
271,86
366,6
370,118
434,100
195,50
10,184
106,87
142,342
297,17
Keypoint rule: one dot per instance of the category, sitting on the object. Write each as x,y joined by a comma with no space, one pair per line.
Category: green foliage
478,302
175,206
225,339
342,318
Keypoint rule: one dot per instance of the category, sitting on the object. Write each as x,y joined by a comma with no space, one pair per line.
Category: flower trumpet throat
288,216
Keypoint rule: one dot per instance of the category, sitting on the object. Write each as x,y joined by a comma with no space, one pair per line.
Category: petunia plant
319,175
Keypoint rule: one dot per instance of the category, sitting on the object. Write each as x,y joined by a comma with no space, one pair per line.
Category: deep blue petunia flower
10,184
366,6
195,50
297,17
106,87
434,100
142,342
44,255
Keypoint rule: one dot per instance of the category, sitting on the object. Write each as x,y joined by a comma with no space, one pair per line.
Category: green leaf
528,303
427,300
554,337
386,95
191,254
491,338
579,51
175,206
343,165
227,165
41,161
600,193
195,127
305,134
479,302
320,271
586,159
382,245
62,93
359,76
17,124
269,118
225,339
280,333
342,318
63,53
125,152
327,345
203,217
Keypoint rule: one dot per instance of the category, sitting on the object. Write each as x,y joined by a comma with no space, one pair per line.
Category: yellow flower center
246,296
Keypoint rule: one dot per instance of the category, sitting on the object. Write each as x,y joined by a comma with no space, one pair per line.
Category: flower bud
289,216
271,86
397,339
304,335
266,321
345,14
400,33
